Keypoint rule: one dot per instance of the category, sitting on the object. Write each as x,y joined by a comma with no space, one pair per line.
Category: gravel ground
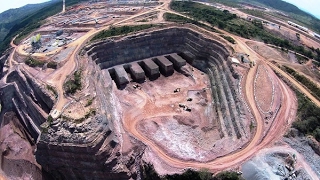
301,145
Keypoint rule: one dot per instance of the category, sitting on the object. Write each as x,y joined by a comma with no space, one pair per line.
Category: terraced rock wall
26,97
89,149
209,56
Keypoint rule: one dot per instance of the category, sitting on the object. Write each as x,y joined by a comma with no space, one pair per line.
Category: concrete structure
151,69
64,6
166,67
121,76
137,72
177,61
298,26
188,56
235,60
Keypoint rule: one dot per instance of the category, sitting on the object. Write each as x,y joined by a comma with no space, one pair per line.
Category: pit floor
152,115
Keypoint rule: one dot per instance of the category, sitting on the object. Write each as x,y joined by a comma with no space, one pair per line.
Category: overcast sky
311,6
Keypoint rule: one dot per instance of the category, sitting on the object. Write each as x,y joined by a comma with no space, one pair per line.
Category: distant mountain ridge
298,14
17,13
30,22
11,17
283,6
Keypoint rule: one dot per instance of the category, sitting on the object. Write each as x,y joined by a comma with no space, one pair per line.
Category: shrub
227,175
315,90
72,85
34,63
52,65
228,38
308,117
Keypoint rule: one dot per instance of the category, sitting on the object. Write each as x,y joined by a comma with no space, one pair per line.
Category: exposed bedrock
2,63
205,54
90,149
146,45
26,97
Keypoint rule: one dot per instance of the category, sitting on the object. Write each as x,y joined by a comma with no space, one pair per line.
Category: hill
295,14
12,16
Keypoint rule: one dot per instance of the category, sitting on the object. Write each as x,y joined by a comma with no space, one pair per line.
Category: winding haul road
258,141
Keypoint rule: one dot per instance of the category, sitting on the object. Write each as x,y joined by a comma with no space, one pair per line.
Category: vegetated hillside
12,16
148,173
283,6
294,12
33,21
235,25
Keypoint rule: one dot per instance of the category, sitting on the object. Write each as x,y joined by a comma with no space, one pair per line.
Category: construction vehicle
137,86
176,90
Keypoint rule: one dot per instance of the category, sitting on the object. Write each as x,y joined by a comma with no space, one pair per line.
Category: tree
227,175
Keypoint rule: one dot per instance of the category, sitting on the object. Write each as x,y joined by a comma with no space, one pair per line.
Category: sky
310,6
9,4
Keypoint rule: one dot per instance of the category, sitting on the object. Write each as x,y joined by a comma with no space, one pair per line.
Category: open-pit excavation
214,110
101,100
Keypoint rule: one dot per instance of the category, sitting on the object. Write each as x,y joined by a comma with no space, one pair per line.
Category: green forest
308,117
148,173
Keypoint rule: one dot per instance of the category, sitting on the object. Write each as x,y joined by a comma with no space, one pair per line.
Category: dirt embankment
17,154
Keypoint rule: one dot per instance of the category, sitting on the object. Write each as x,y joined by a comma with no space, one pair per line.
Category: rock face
142,46
205,54
23,95
151,69
25,104
88,149
2,62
